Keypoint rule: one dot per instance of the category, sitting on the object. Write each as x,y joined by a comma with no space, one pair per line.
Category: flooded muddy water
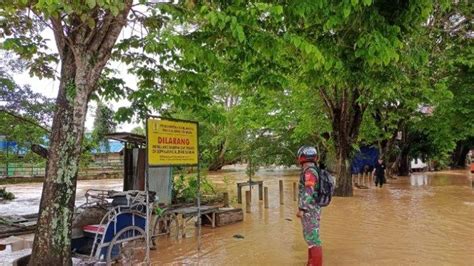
424,219
28,195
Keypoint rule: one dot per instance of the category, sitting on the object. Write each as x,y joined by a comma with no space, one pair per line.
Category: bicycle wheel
128,247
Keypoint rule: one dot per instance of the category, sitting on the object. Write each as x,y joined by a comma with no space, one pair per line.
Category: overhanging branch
24,119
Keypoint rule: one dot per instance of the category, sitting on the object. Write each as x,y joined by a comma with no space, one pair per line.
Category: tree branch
97,35
43,152
21,118
114,30
102,46
58,35
329,104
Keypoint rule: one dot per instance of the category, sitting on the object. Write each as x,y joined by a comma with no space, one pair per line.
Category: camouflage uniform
306,203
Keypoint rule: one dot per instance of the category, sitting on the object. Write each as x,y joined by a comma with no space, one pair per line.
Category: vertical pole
281,191
226,199
265,198
199,191
250,192
199,206
239,194
260,190
294,191
147,222
6,161
247,201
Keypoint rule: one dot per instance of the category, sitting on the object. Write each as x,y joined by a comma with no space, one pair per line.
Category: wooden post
247,201
265,199
281,191
239,194
260,190
295,193
226,199
250,191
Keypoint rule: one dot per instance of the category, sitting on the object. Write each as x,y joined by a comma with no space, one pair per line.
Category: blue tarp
4,144
12,147
366,156
115,146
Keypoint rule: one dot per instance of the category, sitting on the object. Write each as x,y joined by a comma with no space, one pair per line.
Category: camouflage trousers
310,221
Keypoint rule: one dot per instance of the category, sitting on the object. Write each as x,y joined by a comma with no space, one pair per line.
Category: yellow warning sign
172,142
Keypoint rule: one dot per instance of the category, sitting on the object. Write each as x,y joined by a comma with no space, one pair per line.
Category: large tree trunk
343,172
458,158
403,159
404,163
53,234
84,53
219,160
346,115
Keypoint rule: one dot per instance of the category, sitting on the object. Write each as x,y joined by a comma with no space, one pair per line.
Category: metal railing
38,170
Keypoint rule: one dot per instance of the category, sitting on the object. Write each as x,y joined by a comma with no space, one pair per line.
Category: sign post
172,142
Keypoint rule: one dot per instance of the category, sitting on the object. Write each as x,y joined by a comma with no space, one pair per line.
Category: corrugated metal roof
127,137
114,147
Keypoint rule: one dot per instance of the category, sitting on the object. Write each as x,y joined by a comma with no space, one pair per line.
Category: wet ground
424,219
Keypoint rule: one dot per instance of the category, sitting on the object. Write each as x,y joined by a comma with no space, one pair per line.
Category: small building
134,166
109,155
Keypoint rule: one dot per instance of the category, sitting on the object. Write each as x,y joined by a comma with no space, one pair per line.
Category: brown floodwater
424,219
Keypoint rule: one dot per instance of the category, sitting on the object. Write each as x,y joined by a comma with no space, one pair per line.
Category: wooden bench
187,213
225,216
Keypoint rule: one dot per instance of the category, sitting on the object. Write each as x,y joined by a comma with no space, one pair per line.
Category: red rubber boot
315,256
310,258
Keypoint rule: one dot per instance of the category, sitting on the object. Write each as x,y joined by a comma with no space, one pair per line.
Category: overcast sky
49,87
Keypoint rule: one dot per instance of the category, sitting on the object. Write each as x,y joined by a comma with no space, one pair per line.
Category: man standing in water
379,172
308,209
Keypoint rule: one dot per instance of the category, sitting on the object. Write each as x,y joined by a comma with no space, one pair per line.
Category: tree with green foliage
348,54
446,133
138,130
25,116
104,123
84,33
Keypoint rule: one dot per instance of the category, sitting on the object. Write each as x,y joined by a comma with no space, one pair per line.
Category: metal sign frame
147,166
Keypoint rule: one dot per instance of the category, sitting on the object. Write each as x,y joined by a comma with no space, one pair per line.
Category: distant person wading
379,172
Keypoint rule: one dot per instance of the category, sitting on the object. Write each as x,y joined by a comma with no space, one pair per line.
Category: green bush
4,194
185,188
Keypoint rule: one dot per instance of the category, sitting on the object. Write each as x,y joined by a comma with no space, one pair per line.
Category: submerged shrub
4,194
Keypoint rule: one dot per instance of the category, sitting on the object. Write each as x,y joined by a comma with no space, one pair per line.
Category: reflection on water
419,180
426,219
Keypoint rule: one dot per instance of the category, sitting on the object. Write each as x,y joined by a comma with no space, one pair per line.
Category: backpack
324,188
